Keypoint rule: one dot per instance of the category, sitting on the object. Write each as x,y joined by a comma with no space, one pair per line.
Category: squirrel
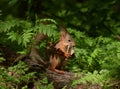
57,53
63,50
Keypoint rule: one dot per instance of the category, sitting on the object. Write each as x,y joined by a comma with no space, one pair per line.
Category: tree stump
60,80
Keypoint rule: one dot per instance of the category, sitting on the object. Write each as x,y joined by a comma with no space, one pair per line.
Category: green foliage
1,58
16,31
12,77
48,86
94,25
97,54
22,31
102,78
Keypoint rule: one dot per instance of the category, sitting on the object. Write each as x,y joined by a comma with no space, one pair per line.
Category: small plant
102,78
13,77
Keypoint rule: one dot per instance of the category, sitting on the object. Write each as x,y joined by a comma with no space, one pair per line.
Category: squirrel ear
63,31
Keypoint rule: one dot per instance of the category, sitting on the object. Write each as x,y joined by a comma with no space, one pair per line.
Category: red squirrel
64,49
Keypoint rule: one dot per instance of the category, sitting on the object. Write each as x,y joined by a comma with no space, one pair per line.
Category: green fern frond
26,37
50,29
7,25
77,34
48,20
13,36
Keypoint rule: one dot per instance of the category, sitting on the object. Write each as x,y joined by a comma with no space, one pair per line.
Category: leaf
84,10
12,2
2,59
48,20
7,25
26,37
89,41
12,36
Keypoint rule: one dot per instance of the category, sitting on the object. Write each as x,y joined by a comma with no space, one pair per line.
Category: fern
96,77
7,25
13,36
48,20
12,77
22,31
48,29
26,37
17,31
93,55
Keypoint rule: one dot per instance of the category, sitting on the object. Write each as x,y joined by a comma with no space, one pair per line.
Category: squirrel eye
69,40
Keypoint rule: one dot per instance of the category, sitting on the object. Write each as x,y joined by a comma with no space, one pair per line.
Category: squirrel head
66,38
66,43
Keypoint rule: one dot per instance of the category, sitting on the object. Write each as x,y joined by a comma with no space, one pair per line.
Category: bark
60,80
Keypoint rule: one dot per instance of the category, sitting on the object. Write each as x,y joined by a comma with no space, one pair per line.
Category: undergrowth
94,27
98,58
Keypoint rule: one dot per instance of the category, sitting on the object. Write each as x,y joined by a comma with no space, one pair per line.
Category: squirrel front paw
67,55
